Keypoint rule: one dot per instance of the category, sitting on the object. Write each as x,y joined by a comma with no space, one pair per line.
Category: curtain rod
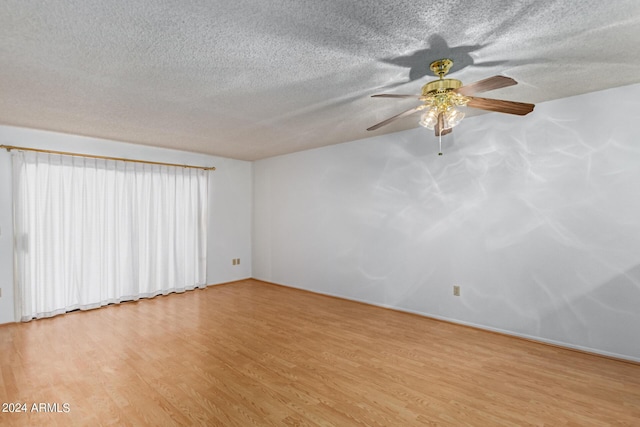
11,147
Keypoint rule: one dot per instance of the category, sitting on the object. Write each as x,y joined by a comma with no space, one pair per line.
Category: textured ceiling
252,79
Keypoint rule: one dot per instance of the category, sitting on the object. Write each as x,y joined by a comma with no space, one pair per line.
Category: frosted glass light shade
451,118
429,119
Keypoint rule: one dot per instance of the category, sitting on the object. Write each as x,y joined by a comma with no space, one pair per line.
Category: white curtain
91,232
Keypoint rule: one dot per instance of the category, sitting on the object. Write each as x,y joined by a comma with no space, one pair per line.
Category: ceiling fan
441,97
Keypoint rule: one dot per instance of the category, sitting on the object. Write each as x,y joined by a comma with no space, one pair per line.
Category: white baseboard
534,338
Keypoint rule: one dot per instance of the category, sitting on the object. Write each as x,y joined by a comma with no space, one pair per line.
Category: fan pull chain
440,141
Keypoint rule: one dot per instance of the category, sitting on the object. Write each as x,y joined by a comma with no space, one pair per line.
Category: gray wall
230,200
537,218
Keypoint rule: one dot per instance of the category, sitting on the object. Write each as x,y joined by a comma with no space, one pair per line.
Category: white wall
537,218
229,232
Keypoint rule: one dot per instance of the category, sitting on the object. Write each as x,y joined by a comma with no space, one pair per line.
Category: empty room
338,213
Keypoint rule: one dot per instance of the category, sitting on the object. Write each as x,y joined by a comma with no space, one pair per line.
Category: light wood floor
251,353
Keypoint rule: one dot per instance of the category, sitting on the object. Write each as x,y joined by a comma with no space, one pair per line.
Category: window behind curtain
90,232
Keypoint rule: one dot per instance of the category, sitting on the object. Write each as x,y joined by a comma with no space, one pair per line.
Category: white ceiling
253,79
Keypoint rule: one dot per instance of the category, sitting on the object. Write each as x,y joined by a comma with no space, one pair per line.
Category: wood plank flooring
251,353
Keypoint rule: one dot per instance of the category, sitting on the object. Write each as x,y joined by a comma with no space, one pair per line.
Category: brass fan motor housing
440,68
441,85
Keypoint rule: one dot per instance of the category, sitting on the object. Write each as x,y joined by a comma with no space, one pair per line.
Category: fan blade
440,130
491,83
391,95
501,106
396,117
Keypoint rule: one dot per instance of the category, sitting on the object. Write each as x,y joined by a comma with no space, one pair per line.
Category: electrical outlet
233,261
238,261
456,290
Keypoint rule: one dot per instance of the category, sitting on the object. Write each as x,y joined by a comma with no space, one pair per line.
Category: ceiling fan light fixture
451,116
440,99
